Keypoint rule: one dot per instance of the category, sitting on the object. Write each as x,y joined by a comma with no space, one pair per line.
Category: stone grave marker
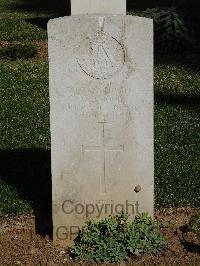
101,113
98,7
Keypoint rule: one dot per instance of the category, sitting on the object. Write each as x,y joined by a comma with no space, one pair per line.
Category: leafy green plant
115,239
19,51
170,32
194,224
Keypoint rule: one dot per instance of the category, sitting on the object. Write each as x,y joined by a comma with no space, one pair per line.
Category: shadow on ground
58,8
173,99
191,247
190,60
29,171
40,22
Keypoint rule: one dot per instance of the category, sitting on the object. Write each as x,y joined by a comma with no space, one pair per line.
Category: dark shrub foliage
171,34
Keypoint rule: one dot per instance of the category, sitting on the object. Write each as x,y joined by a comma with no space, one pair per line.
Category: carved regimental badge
105,57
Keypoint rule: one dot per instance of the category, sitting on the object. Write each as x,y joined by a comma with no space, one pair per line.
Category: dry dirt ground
20,245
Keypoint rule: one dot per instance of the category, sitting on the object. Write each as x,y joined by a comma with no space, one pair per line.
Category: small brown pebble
137,188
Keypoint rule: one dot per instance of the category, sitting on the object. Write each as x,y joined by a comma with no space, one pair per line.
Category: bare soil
20,245
43,49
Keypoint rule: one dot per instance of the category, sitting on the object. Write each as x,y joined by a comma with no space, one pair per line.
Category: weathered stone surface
101,99
98,6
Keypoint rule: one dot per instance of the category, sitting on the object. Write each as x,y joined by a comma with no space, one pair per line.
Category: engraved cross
103,148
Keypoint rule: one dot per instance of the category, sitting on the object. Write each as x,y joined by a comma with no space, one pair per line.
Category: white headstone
101,99
98,6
